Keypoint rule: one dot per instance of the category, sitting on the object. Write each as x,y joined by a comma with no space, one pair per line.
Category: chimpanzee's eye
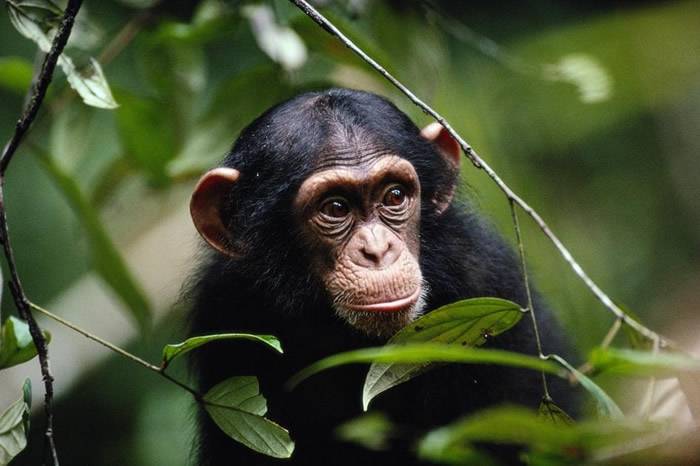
395,196
335,208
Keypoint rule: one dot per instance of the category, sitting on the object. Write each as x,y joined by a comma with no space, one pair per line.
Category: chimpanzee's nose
375,247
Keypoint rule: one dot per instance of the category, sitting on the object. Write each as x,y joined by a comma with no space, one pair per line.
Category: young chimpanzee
333,224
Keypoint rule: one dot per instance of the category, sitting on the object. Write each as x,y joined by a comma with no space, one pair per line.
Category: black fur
272,291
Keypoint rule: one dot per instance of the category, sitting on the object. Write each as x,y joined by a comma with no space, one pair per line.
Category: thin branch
530,304
478,162
111,346
94,338
612,333
39,87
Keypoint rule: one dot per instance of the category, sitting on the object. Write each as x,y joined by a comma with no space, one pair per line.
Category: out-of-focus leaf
170,352
237,407
558,443
67,139
419,353
551,412
204,148
232,107
280,43
16,345
592,80
642,363
89,82
469,322
13,433
606,406
106,258
371,430
501,425
139,120
15,74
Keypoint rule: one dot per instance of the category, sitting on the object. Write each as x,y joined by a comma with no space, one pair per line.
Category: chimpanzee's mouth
388,306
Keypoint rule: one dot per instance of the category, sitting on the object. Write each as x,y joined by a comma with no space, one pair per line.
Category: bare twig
39,87
478,162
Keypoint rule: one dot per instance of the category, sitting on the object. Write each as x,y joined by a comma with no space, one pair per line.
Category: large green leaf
606,406
642,363
89,82
16,345
237,407
467,323
170,352
106,258
14,427
420,353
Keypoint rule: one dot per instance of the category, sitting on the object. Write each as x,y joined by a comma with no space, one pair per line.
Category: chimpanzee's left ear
450,151
206,207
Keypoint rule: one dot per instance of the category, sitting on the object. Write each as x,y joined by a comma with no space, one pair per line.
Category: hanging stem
530,304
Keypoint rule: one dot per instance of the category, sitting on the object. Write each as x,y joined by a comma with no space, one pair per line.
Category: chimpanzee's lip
388,306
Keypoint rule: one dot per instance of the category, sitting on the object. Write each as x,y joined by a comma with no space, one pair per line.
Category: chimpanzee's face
361,222
359,215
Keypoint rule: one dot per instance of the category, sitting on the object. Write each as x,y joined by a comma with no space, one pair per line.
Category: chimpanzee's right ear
206,206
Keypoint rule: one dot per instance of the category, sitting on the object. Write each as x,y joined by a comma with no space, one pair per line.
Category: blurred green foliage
590,111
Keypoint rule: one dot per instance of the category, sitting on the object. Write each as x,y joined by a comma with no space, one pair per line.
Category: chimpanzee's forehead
350,156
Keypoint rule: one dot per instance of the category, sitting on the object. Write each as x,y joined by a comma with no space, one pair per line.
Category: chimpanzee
333,224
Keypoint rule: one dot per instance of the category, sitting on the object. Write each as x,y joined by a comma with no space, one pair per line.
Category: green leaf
642,363
468,323
606,406
420,353
15,74
170,352
89,82
16,345
237,407
551,412
371,430
106,258
13,433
